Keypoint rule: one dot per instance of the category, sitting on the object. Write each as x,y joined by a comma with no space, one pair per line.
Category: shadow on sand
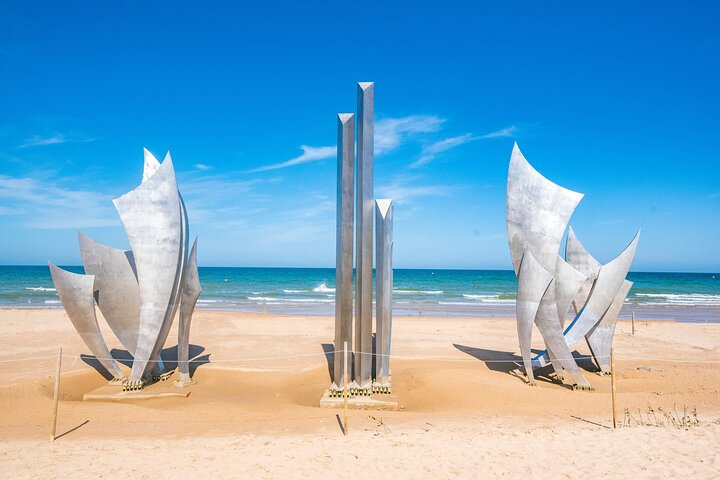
506,362
169,356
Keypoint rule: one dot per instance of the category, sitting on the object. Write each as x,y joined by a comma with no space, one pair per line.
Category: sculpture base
361,402
115,393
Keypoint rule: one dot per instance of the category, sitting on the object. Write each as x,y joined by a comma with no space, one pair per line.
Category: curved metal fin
118,296
582,261
608,283
537,212
76,294
600,337
567,282
191,290
533,281
153,219
150,165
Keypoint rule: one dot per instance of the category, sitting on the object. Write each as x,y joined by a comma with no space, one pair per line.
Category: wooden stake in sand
345,389
56,395
632,322
612,387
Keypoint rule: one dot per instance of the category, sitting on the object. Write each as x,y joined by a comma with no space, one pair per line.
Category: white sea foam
322,288
290,300
421,292
479,297
295,291
52,302
202,300
669,299
40,289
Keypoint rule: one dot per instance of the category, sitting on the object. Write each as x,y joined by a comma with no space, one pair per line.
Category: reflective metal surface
384,288
364,232
606,287
600,337
191,290
153,218
116,288
582,261
344,245
76,294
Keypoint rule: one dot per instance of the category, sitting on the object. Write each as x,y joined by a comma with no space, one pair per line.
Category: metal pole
345,389
56,395
632,322
612,386
344,238
364,235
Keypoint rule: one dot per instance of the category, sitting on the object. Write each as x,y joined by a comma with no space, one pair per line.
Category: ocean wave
322,288
295,291
263,299
422,292
202,300
479,297
52,302
679,299
40,289
290,300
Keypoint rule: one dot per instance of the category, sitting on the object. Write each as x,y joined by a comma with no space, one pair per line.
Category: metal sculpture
344,246
384,295
364,231
191,291
139,291
76,293
537,215
371,372
116,288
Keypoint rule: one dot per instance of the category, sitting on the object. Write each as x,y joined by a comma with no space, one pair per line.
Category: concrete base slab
115,393
360,402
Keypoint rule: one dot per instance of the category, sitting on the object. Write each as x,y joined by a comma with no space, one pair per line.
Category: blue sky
616,100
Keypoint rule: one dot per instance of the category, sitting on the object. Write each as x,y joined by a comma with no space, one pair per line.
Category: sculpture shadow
93,362
585,362
329,351
169,356
122,356
506,362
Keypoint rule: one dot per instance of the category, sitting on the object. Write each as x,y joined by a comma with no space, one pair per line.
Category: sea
684,297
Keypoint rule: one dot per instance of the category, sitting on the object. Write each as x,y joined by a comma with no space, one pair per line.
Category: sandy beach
464,410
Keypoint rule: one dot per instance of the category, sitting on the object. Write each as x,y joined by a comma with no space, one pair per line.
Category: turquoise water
678,296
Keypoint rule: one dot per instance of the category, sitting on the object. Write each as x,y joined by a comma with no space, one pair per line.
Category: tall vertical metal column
384,292
364,230
344,244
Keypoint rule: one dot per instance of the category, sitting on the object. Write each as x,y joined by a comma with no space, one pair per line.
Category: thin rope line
398,357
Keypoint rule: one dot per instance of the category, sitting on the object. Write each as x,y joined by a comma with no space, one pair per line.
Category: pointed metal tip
345,117
366,85
383,206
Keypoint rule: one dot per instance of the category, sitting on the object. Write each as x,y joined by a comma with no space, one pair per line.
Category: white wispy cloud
48,205
390,133
202,166
503,133
429,152
55,139
310,154
404,189
38,141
